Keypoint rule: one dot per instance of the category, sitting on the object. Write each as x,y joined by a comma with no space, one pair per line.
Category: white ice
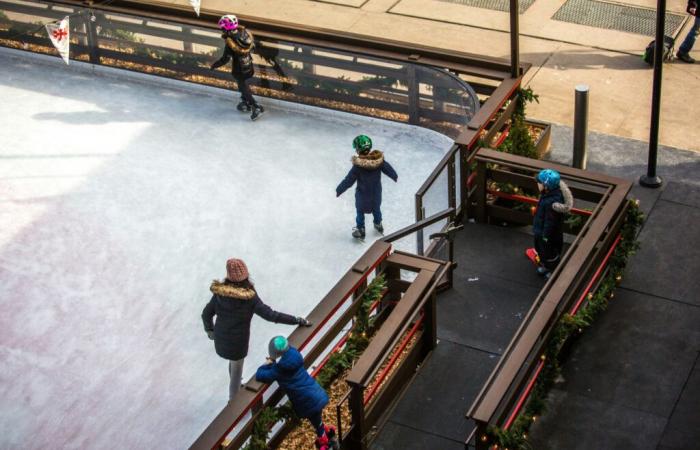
120,201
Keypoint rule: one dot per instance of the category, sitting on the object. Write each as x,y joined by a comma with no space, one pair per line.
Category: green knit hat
278,346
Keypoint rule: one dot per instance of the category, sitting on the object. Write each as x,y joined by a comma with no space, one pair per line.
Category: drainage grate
614,16
496,5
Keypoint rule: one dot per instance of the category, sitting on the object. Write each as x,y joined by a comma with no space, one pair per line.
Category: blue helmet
549,178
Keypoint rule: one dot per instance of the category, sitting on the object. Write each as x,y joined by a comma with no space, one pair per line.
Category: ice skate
543,271
532,255
257,112
379,227
358,233
332,438
243,106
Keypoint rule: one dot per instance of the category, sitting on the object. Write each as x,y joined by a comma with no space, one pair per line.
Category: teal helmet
362,144
549,178
277,346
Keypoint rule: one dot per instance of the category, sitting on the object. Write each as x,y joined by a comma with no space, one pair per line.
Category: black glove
210,334
303,322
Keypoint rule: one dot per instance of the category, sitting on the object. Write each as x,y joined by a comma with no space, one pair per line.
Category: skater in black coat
367,168
234,301
239,46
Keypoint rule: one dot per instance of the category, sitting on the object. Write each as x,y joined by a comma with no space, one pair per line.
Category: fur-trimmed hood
564,208
373,160
227,290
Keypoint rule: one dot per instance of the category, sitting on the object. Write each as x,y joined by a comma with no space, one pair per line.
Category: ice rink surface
120,201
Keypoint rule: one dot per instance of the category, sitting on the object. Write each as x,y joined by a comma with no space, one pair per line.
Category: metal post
580,127
413,95
651,180
514,36
92,39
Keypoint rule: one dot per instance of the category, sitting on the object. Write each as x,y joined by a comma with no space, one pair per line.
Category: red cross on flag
59,34
195,4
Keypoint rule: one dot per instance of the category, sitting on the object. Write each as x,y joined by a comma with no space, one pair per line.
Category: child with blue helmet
307,397
554,203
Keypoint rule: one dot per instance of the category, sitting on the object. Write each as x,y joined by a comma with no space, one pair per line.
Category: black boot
243,106
257,112
358,233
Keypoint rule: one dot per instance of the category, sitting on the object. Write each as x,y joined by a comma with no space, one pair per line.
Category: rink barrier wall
337,70
510,382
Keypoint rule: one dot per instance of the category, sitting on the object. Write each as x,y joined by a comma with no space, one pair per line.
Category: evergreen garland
515,437
337,363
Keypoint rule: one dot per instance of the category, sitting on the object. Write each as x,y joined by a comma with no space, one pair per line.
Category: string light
484,438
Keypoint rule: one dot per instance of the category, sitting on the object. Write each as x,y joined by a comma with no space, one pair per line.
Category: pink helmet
229,22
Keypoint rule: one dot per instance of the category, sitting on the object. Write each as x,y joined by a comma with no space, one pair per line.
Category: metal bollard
580,127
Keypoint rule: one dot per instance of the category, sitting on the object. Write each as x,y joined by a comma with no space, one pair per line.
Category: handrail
410,229
503,382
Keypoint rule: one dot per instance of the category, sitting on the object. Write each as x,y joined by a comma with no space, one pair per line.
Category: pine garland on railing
515,438
337,363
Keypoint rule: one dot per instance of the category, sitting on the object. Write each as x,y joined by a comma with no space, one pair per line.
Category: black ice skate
257,112
379,227
358,233
243,106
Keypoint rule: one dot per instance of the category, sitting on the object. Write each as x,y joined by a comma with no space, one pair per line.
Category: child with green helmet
367,167
285,365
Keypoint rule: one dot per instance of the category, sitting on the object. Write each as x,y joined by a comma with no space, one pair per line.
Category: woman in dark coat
367,168
234,301
239,47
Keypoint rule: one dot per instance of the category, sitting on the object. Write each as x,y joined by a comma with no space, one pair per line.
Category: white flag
59,33
195,4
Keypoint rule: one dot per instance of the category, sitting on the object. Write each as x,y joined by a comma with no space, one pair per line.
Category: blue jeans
689,40
360,219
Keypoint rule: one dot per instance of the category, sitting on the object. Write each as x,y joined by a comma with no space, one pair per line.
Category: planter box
543,141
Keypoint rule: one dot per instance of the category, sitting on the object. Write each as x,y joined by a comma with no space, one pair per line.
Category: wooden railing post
413,95
92,41
481,191
430,323
356,439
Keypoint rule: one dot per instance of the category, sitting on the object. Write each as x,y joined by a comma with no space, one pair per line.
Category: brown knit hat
236,270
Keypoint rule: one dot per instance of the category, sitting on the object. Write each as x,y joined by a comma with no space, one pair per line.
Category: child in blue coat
307,397
367,168
554,203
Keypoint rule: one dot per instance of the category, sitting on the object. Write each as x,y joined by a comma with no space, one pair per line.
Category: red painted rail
596,275
385,371
524,395
533,201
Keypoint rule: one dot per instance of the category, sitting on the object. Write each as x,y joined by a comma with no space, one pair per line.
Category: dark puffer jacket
693,4
239,46
551,209
367,171
307,396
234,308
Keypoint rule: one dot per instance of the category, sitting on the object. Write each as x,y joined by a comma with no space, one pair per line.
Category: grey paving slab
395,436
668,262
576,421
443,390
684,193
637,355
496,251
483,313
683,428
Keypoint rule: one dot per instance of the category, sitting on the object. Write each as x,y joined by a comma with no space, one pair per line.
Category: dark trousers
244,89
550,251
317,422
